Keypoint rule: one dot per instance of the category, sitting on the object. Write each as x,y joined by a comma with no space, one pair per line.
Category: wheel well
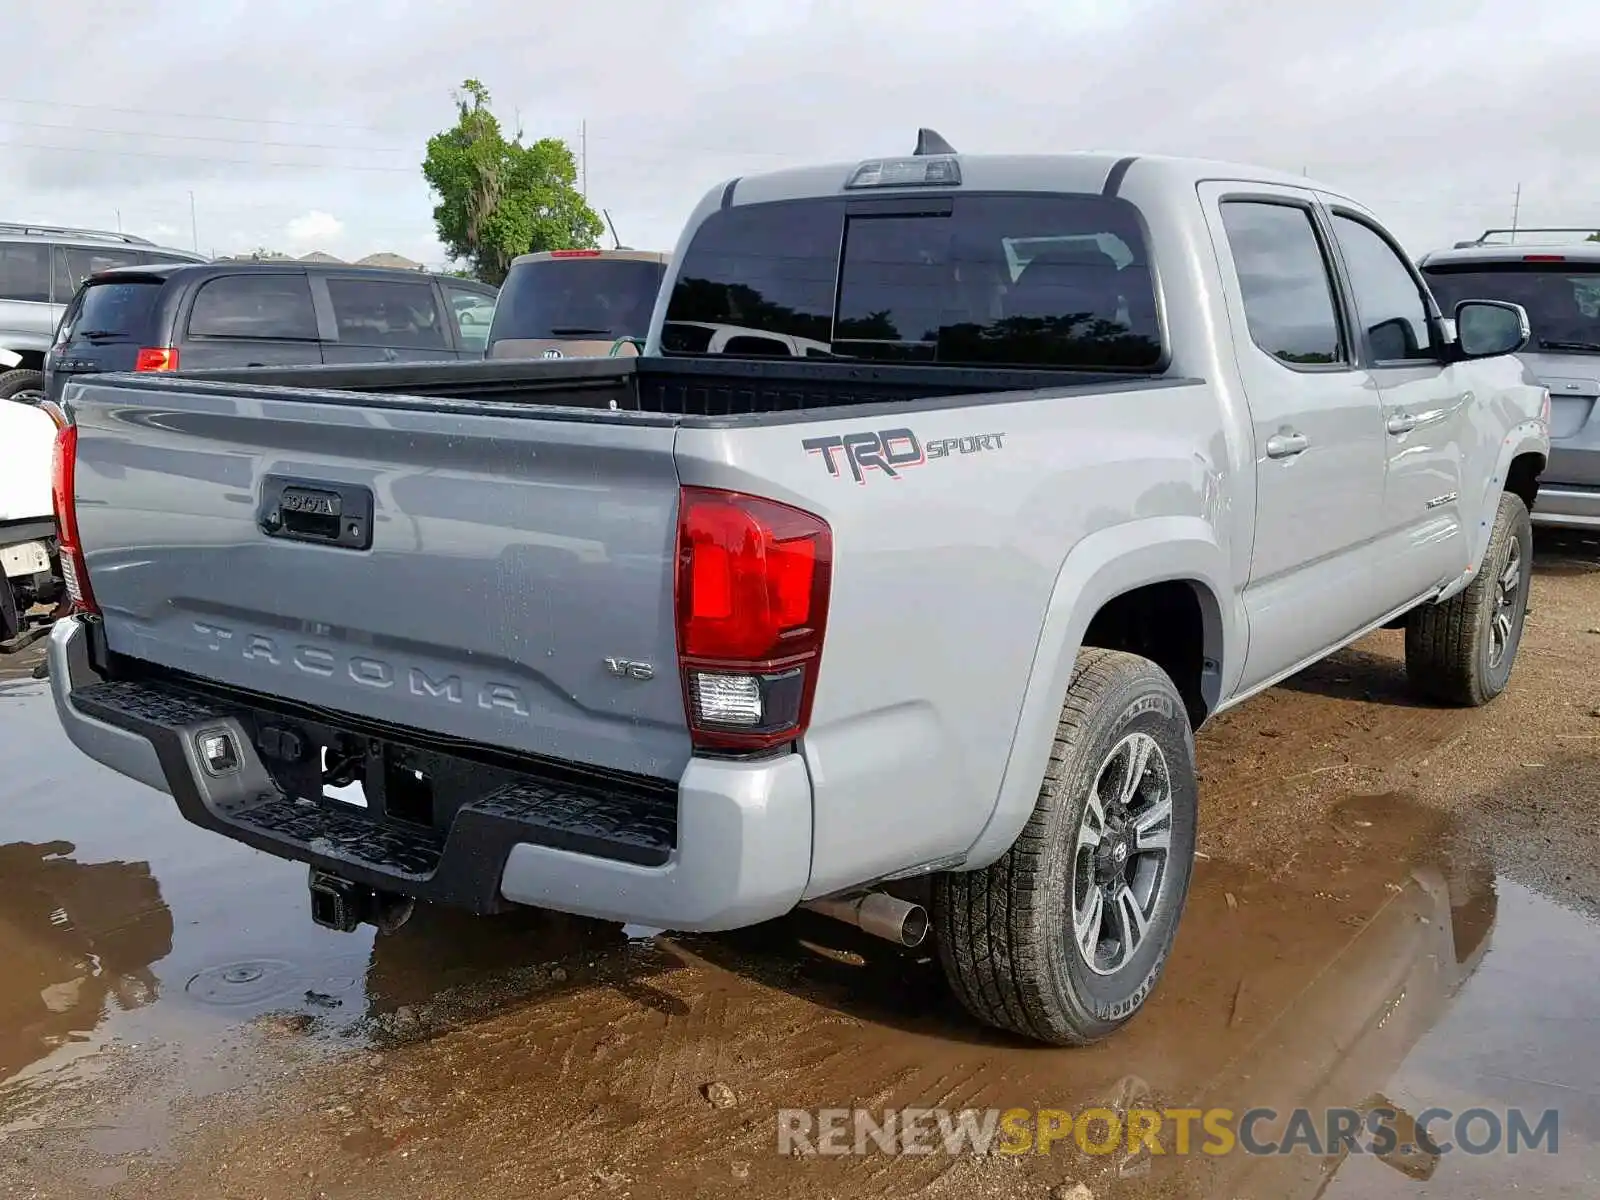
1522,477
32,360
1172,625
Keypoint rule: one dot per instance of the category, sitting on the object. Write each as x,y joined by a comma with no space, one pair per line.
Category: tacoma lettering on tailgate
893,450
365,670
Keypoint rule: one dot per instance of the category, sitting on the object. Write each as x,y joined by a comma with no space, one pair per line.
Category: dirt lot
1392,901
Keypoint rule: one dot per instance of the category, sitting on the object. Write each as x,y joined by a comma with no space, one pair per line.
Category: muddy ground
1395,904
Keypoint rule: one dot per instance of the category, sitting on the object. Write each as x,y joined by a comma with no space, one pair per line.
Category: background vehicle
40,268
178,316
575,303
943,609
1559,287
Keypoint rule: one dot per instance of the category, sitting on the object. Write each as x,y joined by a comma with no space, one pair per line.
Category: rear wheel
1064,937
22,384
1462,651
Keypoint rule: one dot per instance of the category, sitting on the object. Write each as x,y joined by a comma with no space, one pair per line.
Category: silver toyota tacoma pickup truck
911,622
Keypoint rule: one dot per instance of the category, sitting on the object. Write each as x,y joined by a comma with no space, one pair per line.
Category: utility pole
119,220
583,156
194,225
1516,211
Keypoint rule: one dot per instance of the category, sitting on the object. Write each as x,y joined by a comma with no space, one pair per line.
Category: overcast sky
300,124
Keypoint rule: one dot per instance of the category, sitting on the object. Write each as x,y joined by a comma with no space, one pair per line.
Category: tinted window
1562,299
24,271
761,268
1386,294
1283,278
113,312
996,280
473,313
577,298
383,312
74,264
254,306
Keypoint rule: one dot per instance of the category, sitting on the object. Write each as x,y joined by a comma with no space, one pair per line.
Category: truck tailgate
506,559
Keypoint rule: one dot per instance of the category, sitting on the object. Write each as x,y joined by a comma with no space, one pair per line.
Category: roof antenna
616,242
929,142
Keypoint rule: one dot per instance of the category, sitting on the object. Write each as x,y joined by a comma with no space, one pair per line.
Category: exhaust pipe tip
879,914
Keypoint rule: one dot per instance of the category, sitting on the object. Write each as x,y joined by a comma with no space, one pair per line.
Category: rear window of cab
981,280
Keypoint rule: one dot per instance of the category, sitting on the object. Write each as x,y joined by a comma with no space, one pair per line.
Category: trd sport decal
893,450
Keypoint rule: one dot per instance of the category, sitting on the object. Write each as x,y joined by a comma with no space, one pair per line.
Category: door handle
1402,423
1286,445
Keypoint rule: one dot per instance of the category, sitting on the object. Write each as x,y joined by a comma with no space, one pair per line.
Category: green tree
499,198
1593,237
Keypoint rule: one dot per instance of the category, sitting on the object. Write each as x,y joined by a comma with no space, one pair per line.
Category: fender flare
1527,437
1104,565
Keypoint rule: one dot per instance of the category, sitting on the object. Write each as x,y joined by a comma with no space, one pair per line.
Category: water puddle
1376,959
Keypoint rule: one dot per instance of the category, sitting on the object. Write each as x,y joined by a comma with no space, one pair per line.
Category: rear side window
473,313
121,311
1284,279
381,312
1033,281
275,307
25,271
73,264
592,298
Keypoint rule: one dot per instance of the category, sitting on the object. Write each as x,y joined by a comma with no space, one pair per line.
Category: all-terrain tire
1456,653
1006,932
20,380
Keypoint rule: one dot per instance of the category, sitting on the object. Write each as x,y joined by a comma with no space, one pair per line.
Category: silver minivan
41,267
1555,275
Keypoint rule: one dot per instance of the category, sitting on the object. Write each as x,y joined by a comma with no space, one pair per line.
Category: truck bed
687,387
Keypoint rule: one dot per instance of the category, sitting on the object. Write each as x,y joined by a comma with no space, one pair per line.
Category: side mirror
1486,328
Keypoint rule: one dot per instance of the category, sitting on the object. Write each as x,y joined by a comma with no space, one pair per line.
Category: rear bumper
1562,506
730,848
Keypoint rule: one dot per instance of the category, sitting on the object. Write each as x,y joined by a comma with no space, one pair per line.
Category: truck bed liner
676,388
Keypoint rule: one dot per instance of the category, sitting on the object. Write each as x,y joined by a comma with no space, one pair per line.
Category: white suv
41,267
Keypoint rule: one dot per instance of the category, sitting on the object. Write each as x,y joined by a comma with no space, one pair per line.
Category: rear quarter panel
947,587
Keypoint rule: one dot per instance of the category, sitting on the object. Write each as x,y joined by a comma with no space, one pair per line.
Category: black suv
203,315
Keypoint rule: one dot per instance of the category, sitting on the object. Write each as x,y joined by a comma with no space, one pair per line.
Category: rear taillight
752,606
63,482
157,358
1544,258
574,254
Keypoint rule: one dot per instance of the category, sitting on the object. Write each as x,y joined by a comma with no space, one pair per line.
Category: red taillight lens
157,358
63,488
752,606
574,254
1544,258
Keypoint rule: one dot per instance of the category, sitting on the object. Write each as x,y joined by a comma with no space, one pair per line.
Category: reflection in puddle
74,937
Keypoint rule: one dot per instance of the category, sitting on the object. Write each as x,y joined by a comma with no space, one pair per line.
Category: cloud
313,228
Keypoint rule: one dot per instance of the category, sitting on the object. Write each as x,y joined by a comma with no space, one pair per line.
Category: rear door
499,562
250,319
1318,423
383,320
575,303
108,322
